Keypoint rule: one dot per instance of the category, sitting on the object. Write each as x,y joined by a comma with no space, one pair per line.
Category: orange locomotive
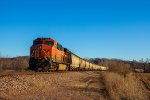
46,54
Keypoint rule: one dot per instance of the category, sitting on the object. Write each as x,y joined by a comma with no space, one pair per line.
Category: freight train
48,55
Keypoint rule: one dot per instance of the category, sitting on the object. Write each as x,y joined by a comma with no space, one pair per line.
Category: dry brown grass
124,88
145,79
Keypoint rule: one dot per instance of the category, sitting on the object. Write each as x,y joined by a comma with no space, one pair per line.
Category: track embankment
86,85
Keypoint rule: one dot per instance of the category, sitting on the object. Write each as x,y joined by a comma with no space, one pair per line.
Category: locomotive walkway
86,85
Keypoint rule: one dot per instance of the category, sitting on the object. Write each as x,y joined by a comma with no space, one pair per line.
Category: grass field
135,86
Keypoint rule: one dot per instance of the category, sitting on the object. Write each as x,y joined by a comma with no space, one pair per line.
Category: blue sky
90,28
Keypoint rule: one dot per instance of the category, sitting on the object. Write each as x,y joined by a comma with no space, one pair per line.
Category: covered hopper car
48,55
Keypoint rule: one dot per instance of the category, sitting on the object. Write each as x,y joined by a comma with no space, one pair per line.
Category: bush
120,67
18,63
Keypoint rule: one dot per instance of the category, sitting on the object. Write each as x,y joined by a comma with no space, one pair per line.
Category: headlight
40,47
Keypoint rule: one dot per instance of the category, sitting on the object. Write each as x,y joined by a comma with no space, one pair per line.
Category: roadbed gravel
86,85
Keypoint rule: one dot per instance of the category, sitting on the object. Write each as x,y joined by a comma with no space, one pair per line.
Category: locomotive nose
39,51
43,50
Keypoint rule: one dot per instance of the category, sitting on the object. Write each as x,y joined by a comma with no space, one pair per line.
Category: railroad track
29,73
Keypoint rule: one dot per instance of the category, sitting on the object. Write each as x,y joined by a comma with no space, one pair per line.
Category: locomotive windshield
37,42
50,43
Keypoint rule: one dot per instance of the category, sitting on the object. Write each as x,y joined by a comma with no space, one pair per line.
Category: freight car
48,55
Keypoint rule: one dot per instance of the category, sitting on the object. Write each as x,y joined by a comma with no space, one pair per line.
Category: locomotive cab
41,48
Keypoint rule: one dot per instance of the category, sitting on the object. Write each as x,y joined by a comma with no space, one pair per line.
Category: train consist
48,55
